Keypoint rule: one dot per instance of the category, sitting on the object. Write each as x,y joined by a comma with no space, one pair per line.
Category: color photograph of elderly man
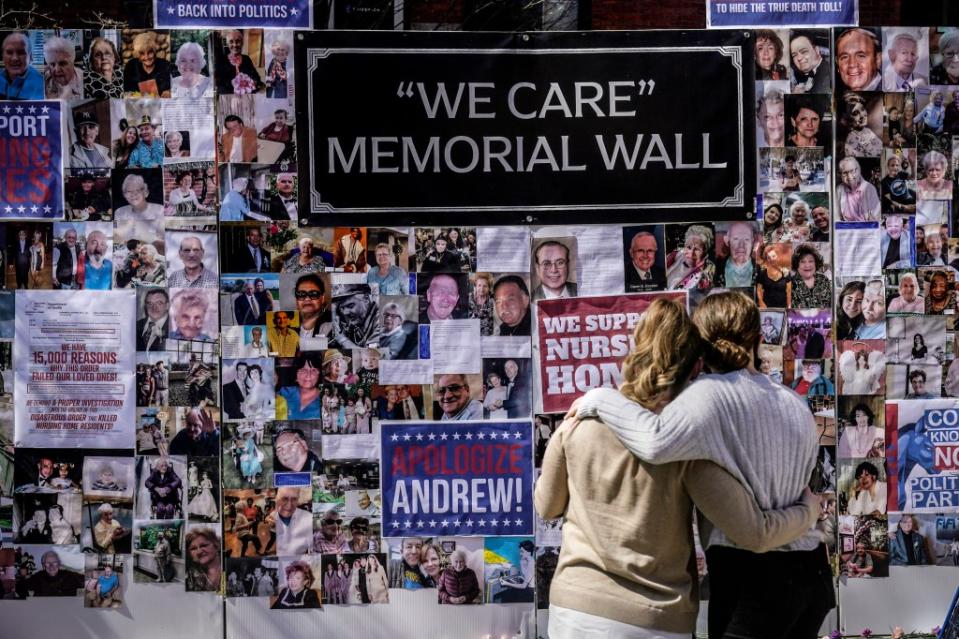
645,258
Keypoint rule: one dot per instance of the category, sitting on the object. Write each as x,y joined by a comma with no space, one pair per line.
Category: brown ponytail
729,325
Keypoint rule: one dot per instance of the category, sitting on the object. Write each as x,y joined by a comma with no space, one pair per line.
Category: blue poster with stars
218,14
453,478
31,175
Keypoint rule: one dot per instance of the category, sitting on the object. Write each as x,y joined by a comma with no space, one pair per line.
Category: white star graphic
406,437
469,436
517,435
21,208
432,523
44,109
481,435
469,522
519,522
47,209
8,209
493,522
170,10
419,524
34,208
432,436
394,437
456,436
419,437
6,109
482,522
294,11
396,524
444,436
493,435
408,523
506,522
444,523
19,109
33,109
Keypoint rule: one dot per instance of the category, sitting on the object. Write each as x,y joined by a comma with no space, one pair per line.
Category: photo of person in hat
87,203
336,367
86,153
355,316
148,153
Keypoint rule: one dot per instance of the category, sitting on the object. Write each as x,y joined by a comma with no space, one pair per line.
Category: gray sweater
760,431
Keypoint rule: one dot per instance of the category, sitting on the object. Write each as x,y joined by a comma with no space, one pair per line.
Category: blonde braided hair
666,347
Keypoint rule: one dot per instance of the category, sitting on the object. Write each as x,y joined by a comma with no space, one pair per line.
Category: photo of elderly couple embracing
694,424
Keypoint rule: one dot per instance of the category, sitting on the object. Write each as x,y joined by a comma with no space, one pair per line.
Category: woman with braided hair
626,565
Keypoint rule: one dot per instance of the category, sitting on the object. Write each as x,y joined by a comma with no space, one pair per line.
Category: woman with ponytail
626,567
764,435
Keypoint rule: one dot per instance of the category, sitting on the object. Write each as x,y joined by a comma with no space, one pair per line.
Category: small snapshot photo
155,428
247,528
461,566
301,583
644,257
862,367
107,528
862,434
251,576
46,571
510,570
905,58
862,487
158,551
203,489
364,578
103,581
108,479
553,268
47,518
161,487
859,130
913,381
863,546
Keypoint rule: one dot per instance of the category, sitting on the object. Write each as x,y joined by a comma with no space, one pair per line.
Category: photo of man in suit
253,258
235,392
643,272
246,308
283,202
518,394
21,258
153,329
551,261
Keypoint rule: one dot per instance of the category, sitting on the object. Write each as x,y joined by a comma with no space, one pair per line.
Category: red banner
582,343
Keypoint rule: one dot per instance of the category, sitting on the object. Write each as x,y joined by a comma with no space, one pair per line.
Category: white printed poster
74,363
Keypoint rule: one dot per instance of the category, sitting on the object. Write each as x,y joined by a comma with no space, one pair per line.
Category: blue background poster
213,14
723,14
31,175
457,478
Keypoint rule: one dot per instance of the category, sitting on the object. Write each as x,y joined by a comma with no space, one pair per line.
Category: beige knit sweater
627,549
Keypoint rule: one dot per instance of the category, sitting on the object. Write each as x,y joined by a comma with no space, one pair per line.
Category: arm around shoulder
658,439
731,507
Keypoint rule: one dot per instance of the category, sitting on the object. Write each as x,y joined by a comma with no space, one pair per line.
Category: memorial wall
292,315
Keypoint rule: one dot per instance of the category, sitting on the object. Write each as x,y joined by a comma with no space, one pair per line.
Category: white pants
573,624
